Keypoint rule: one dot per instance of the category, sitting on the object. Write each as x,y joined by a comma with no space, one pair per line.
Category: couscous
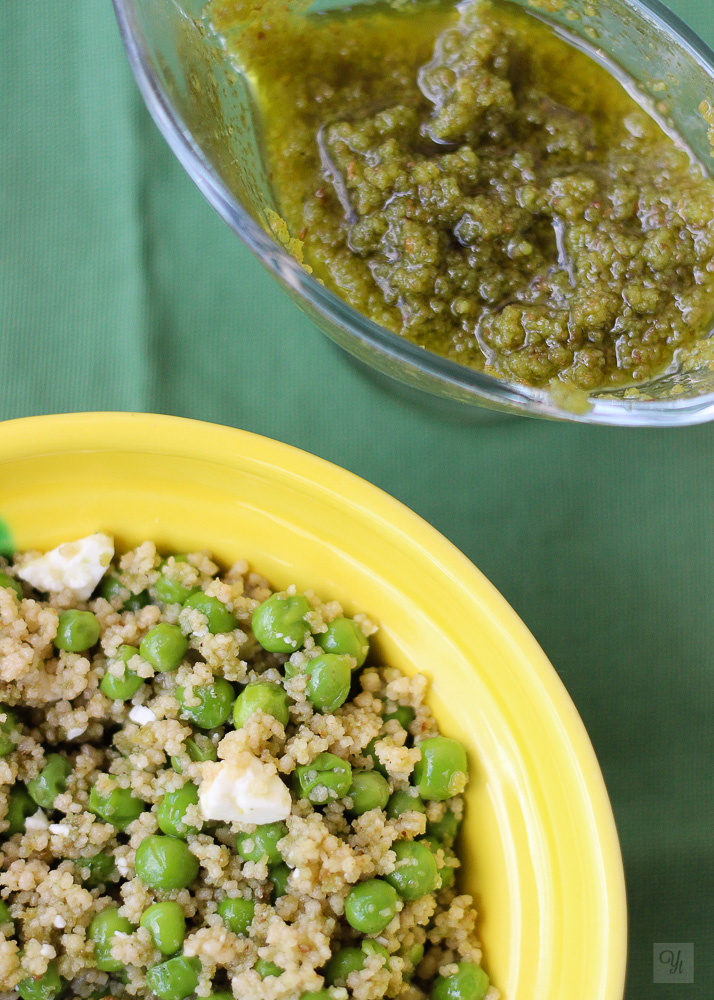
211,789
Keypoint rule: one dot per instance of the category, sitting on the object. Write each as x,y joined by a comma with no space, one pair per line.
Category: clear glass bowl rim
335,311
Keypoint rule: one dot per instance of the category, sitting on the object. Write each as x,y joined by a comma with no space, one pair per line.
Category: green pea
329,679
95,870
45,987
401,802
224,995
261,697
137,601
374,948
369,751
469,982
404,714
415,873
279,623
165,863
442,770
164,646
347,960
316,995
102,929
201,747
369,790
125,653
328,777
8,726
169,590
237,914
447,874
172,808
51,781
118,806
175,978
220,617
413,956
11,583
291,670
20,805
124,687
262,844
444,829
77,631
279,876
371,905
111,588
344,636
342,963
265,968
5,915
215,702
121,688
167,925
198,747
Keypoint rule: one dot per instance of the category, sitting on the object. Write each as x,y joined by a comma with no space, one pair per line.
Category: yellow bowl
539,842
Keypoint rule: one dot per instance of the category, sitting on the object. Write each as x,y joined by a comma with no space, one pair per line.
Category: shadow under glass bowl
204,109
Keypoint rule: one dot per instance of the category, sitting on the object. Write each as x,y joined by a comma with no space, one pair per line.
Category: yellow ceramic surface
539,843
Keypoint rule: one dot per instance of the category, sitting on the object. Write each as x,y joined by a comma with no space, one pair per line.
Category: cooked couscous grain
179,814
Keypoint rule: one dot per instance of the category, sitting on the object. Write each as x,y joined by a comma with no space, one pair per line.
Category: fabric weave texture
121,289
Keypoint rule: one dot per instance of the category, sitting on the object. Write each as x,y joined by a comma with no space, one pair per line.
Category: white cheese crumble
78,566
61,829
141,715
123,866
47,951
245,790
60,922
38,821
72,734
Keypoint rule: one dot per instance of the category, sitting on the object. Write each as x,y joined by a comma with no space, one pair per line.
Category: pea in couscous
210,789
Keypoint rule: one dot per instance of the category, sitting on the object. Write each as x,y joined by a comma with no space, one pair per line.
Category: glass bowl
539,844
204,110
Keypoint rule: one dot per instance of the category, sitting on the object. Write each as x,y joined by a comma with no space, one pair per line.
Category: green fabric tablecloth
121,289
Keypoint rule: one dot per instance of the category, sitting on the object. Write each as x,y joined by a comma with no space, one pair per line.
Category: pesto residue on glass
472,181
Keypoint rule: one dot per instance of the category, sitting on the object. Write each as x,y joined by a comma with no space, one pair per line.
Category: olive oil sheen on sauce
476,183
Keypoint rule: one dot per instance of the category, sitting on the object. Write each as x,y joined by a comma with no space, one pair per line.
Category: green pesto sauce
474,182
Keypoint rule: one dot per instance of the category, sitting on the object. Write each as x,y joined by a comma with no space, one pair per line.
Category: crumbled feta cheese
47,951
60,922
141,715
38,821
78,566
72,734
122,866
61,829
245,790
